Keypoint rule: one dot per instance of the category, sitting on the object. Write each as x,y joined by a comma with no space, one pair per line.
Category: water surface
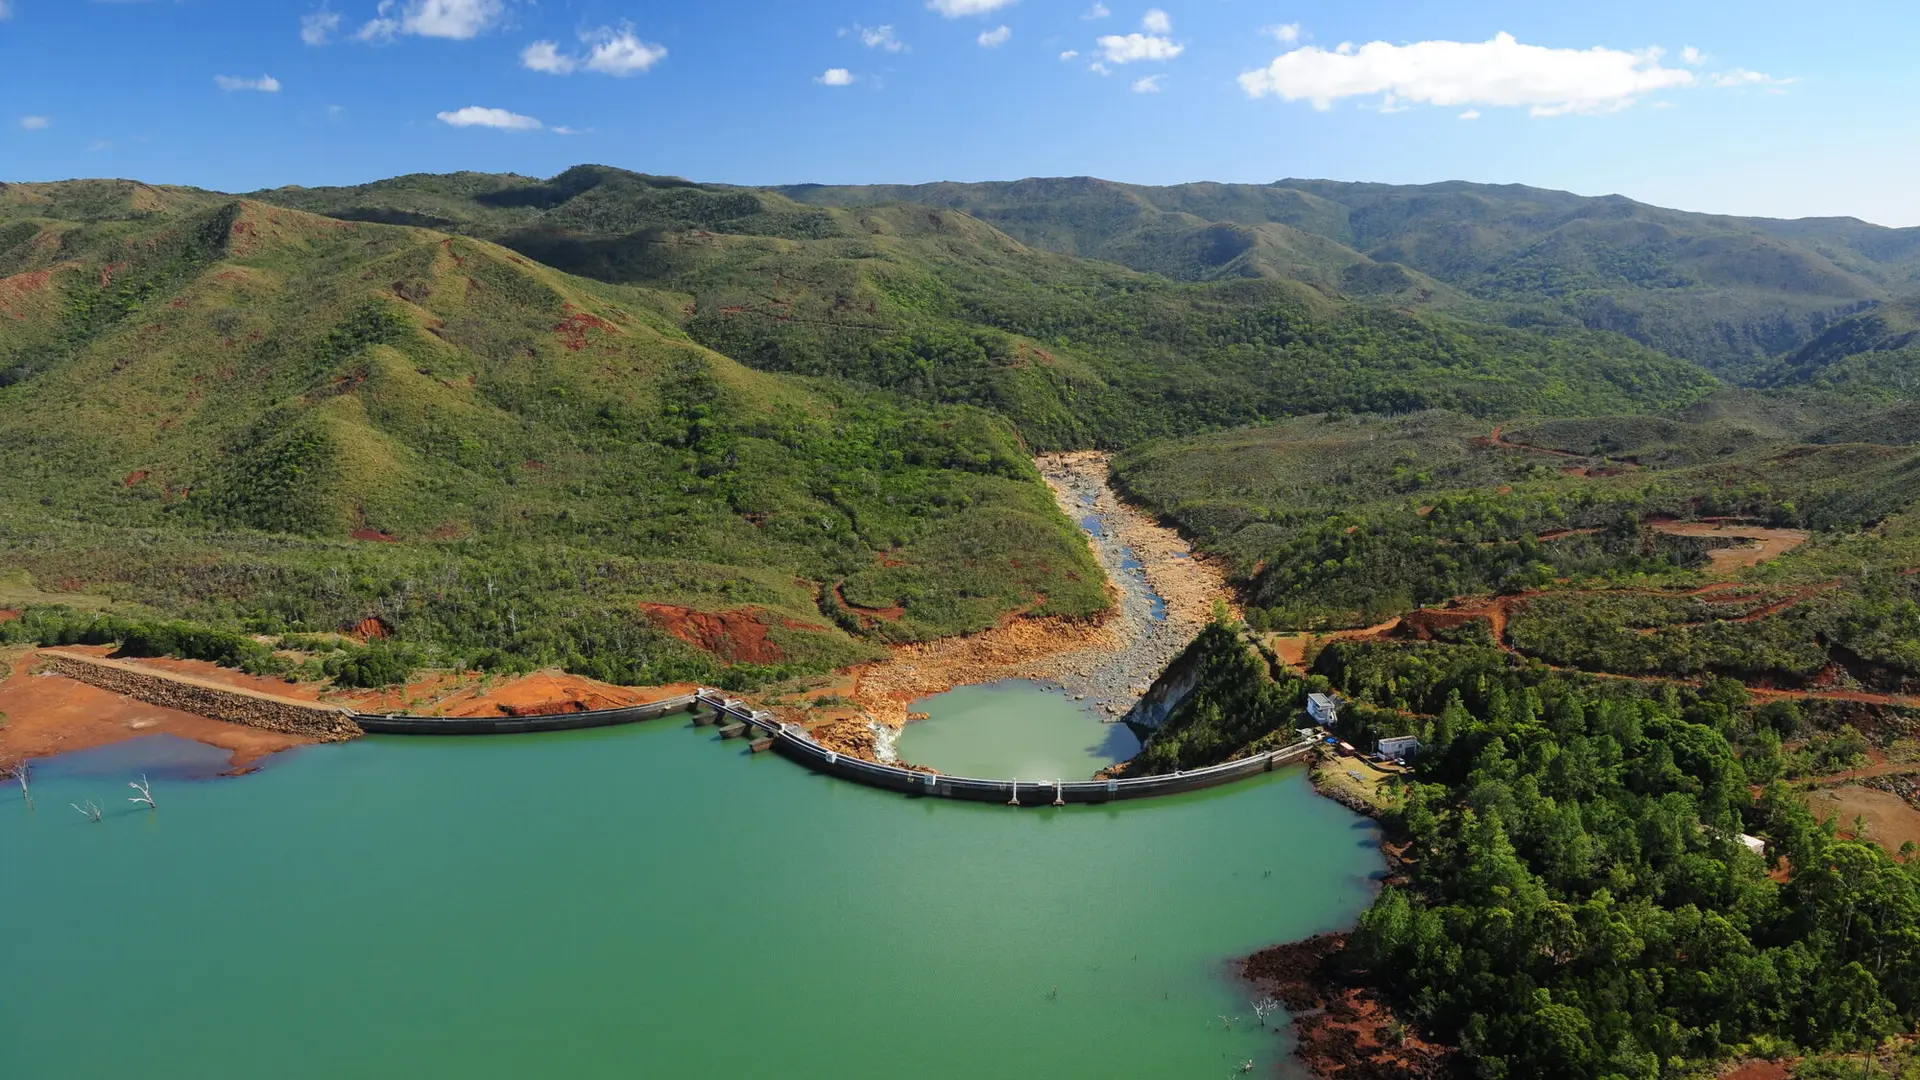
1013,730
641,901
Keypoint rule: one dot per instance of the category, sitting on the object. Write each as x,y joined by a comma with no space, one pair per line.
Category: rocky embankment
318,723
1110,662
1342,1025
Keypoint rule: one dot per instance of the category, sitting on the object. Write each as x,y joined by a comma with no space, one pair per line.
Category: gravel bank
1113,674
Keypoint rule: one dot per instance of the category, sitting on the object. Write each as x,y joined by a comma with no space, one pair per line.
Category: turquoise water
638,902
1013,730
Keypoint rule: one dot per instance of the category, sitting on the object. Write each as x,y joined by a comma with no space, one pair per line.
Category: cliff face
1169,690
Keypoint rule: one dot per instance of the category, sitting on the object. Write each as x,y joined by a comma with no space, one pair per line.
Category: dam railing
793,743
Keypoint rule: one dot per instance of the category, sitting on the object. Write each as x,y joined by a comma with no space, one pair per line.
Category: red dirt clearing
544,693
48,715
374,536
740,636
573,329
1772,543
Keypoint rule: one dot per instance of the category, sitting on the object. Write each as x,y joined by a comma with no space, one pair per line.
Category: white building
1398,747
1324,708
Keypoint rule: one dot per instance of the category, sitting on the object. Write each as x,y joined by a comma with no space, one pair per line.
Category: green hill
1730,293
1876,351
226,410
942,306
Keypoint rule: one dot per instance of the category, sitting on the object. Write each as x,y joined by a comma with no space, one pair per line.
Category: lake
640,901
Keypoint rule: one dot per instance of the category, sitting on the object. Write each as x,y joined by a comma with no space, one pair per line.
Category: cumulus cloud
1070,54
35,123
455,19
1152,84
835,77
1470,114
957,9
1127,48
609,52
877,37
1691,55
1743,77
996,37
1284,33
1097,11
545,56
1157,22
318,28
265,84
498,119
565,130
1501,72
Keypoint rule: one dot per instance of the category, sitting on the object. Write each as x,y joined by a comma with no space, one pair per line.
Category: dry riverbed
1107,663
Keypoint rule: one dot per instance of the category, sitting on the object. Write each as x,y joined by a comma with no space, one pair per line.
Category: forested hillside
943,307
1729,293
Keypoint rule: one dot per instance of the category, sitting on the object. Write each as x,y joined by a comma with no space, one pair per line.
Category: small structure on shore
1324,708
1397,747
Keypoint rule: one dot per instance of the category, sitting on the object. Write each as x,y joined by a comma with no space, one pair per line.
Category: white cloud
993,39
835,77
1152,84
1691,55
956,9
1157,22
1743,77
318,28
336,113
35,123
1470,114
610,52
877,37
1070,54
622,53
1501,72
1284,33
455,19
1099,68
1125,49
498,119
6,10
265,84
545,56
565,130
1097,11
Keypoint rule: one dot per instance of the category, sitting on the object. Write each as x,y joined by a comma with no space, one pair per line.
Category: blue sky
1754,107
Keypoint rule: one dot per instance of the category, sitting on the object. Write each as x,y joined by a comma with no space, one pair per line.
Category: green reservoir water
637,902
1013,731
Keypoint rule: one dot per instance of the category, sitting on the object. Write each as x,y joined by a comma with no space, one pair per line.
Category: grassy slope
1346,522
1727,292
939,305
548,448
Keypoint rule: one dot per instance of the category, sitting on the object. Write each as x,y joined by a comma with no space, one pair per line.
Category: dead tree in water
146,792
91,811
26,789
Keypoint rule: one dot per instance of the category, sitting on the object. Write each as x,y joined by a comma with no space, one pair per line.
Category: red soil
370,629
739,636
1343,1026
543,693
1759,1070
136,476
573,329
8,615
373,536
48,715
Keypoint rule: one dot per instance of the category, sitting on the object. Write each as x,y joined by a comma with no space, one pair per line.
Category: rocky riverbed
1159,605
1166,592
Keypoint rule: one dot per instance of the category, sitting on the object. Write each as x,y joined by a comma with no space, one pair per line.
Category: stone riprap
306,720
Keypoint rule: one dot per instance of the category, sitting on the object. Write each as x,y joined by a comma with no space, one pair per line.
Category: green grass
549,452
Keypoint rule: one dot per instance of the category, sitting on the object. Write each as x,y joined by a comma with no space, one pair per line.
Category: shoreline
1342,1025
